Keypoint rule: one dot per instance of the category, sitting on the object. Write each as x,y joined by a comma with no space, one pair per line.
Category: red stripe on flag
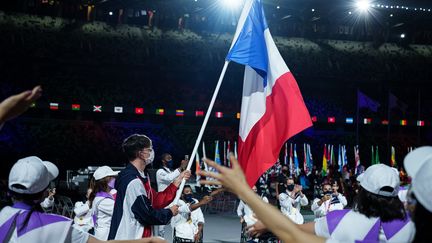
286,115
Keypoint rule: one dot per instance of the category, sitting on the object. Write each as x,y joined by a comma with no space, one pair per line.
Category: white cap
33,174
418,164
378,176
103,172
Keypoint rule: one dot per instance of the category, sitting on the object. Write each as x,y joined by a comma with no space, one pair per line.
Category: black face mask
290,187
285,172
188,198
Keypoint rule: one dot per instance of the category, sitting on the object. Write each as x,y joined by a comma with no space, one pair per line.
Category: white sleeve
76,235
240,208
342,199
165,177
81,209
106,205
315,205
199,216
321,228
265,199
183,207
285,201
319,211
47,203
303,200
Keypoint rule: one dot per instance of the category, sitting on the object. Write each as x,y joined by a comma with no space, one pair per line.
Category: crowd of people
124,206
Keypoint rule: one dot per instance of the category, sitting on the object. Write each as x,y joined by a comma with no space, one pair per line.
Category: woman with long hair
102,201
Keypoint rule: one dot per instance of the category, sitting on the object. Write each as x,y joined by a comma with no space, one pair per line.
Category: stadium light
110,13
233,4
363,5
402,36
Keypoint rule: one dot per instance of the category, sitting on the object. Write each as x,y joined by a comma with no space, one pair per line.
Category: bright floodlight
363,5
231,3
402,36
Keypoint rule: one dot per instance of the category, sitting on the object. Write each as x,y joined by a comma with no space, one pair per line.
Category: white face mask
150,159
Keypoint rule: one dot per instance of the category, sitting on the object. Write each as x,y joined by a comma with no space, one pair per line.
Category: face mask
188,197
111,183
290,187
285,171
150,159
170,164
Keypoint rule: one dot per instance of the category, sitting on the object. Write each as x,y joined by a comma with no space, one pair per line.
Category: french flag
272,107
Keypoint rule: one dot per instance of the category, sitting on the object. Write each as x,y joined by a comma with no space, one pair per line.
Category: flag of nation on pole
357,160
197,168
296,162
272,107
76,107
54,106
393,157
324,163
291,162
97,108
118,109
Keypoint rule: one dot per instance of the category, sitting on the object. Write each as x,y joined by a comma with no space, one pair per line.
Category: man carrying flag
272,107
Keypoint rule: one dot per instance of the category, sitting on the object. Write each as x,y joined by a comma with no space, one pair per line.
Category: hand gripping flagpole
203,126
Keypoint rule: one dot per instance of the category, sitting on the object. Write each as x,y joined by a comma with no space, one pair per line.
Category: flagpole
203,126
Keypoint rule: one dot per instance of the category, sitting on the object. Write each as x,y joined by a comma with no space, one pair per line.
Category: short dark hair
373,205
135,143
187,186
162,157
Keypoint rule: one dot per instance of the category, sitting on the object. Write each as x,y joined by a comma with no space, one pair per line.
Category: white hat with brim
103,172
377,177
31,175
418,165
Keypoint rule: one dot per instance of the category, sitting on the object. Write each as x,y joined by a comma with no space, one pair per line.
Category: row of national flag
220,114
136,110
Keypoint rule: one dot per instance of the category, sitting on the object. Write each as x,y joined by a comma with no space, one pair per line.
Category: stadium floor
223,228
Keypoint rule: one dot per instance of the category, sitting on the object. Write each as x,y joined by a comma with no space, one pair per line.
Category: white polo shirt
164,177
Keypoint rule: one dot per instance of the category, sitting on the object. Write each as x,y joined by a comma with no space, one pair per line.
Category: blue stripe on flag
250,47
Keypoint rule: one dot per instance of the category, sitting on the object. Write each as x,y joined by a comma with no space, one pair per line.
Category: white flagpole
203,126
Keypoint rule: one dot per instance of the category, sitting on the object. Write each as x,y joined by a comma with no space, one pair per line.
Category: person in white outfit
291,201
25,221
83,219
165,176
102,201
188,224
329,201
245,213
